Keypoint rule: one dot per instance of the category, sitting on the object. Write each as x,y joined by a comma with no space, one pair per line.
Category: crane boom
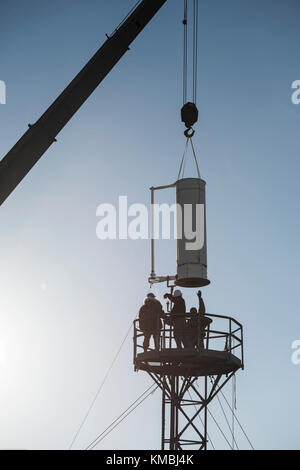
38,138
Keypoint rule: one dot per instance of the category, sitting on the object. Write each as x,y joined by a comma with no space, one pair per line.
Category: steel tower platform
191,377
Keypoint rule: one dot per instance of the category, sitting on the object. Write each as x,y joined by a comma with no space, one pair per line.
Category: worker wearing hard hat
150,323
178,317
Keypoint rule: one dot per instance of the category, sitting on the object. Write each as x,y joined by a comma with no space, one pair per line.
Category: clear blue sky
67,298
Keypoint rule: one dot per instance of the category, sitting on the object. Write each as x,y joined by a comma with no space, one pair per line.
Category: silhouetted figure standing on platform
202,323
177,317
195,329
150,323
201,309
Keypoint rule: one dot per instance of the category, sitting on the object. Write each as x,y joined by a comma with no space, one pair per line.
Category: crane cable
125,17
189,111
121,417
184,78
99,389
235,417
194,51
181,168
183,159
219,427
231,429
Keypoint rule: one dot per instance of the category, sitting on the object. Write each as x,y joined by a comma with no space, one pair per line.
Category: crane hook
189,132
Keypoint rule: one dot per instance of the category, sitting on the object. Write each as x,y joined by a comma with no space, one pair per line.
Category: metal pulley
189,115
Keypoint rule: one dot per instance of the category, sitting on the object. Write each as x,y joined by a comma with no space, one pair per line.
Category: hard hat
150,295
177,293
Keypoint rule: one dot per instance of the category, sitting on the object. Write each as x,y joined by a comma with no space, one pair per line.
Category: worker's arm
169,296
201,309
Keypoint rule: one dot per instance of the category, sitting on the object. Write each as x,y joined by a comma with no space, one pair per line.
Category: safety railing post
242,346
198,332
207,337
134,341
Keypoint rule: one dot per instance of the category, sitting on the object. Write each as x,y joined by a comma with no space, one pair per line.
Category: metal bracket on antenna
156,279
153,278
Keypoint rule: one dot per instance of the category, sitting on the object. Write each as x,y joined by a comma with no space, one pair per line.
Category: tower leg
172,412
205,413
179,407
184,406
163,413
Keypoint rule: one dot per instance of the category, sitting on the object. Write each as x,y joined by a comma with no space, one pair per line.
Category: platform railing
215,332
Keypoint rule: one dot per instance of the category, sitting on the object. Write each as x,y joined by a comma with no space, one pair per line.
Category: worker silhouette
196,325
150,315
191,331
177,318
